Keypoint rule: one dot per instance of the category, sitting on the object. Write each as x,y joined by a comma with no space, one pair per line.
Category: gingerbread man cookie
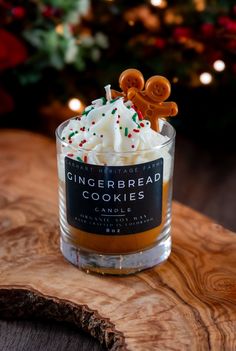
151,101
130,78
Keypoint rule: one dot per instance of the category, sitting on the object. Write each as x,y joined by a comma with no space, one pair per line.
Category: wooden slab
189,303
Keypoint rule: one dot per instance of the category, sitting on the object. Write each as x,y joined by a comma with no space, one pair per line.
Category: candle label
114,200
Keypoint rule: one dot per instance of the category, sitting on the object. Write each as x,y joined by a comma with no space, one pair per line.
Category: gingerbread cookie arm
166,109
115,94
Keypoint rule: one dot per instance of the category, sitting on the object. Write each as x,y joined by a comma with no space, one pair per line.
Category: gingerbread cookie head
131,78
158,88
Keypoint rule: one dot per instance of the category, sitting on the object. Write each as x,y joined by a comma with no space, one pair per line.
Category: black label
114,200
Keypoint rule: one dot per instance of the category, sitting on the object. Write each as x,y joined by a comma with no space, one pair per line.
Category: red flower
224,20
231,26
18,12
182,32
12,51
160,43
208,29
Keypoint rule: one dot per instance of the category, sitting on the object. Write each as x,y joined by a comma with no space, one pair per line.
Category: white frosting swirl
113,133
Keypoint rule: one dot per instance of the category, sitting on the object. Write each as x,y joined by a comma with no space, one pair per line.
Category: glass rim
157,147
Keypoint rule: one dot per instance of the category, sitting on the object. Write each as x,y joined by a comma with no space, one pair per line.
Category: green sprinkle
63,138
139,126
87,112
71,135
76,132
113,100
121,127
104,100
134,117
113,111
94,133
79,159
126,131
88,129
103,114
128,107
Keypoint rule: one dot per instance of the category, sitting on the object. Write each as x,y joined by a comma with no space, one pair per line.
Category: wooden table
189,303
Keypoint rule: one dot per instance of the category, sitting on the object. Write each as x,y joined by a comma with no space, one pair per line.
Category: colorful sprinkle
101,136
117,121
71,135
93,122
70,141
114,111
113,100
76,132
132,146
134,117
142,124
104,100
121,127
129,135
70,155
94,133
126,131
103,114
79,159
63,138
85,159
136,130
87,112
140,115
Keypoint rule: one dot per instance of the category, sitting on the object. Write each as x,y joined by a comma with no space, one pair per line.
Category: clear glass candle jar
115,208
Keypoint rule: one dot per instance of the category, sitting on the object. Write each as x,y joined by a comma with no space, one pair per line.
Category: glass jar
115,208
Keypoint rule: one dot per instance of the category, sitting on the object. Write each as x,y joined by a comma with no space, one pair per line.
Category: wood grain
189,303
41,335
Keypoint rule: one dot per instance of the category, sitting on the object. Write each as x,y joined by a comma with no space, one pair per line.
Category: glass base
124,264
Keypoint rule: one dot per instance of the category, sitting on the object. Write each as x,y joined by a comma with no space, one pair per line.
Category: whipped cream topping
113,133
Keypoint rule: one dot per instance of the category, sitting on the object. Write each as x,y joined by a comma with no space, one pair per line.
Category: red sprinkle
93,122
80,144
70,141
117,121
140,115
136,130
84,141
132,146
85,159
118,116
142,124
129,135
70,155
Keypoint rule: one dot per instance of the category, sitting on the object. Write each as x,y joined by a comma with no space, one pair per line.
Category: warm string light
205,78
219,65
159,3
200,5
75,104
59,29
